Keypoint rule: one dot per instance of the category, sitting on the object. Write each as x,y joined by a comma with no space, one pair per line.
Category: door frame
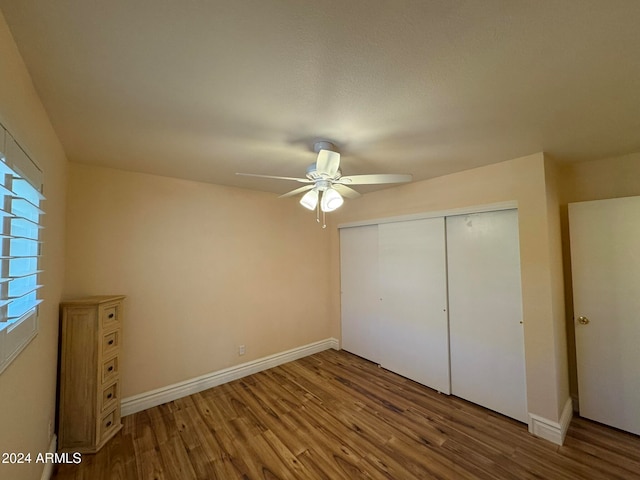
489,207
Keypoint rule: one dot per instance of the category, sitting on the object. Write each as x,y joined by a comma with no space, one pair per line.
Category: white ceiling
203,89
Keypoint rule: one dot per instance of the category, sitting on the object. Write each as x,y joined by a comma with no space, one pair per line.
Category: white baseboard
549,430
48,466
143,401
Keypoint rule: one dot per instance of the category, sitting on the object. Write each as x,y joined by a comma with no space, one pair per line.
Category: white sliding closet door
413,291
485,311
361,330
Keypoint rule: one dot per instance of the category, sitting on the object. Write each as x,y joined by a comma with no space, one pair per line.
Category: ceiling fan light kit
310,199
326,183
331,200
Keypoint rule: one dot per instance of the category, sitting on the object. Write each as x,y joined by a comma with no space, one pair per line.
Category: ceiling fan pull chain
324,219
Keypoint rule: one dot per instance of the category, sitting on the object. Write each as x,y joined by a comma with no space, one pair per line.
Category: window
20,217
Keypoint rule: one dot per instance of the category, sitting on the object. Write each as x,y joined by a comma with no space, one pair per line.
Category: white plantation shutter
20,220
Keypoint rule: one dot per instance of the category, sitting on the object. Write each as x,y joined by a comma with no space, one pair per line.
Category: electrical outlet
241,350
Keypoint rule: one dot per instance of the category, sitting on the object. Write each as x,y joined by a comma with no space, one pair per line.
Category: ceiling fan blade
328,163
301,180
297,191
345,191
373,179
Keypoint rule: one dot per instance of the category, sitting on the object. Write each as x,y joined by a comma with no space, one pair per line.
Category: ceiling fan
326,185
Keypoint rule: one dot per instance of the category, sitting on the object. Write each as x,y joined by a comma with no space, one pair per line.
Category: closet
413,301
438,300
485,311
362,330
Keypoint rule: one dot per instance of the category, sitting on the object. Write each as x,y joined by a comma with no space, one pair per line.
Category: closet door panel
414,301
485,311
361,330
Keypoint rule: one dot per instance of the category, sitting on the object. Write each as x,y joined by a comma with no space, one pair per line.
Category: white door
485,311
605,265
361,331
413,306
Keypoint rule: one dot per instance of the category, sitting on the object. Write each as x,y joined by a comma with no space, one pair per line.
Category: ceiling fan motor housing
312,174
324,145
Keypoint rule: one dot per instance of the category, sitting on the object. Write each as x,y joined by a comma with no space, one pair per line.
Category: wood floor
335,416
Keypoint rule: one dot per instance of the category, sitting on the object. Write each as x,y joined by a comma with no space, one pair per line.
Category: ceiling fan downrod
324,145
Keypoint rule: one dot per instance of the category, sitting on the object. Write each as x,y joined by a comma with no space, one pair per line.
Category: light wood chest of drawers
89,399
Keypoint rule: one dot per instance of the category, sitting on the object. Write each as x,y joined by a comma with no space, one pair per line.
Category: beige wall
205,268
28,385
594,180
599,179
556,278
523,180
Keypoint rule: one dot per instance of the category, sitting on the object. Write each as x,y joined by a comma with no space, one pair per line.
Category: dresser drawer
110,396
110,370
109,317
108,423
110,343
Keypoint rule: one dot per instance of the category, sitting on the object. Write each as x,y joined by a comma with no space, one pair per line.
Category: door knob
583,320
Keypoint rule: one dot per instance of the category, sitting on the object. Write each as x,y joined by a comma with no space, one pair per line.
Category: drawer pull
111,342
111,315
110,369
109,396
108,424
